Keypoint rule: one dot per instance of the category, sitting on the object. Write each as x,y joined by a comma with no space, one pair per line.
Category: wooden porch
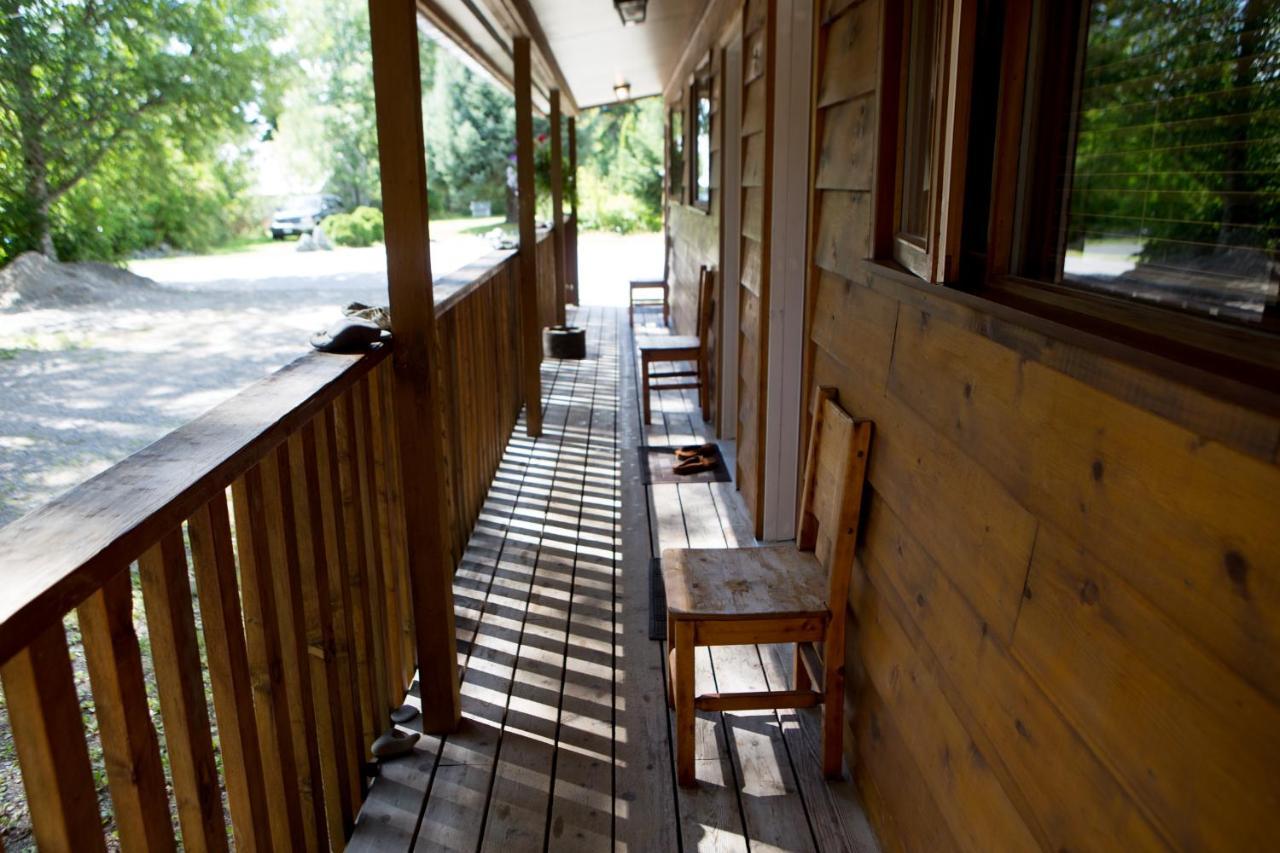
565,741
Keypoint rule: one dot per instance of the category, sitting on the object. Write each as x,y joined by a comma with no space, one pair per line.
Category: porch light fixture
631,12
622,91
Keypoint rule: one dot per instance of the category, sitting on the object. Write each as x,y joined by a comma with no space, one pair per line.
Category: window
931,142
1162,183
675,154
701,100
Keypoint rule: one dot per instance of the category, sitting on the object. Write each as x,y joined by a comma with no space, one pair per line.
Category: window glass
919,113
675,155
702,142
1174,186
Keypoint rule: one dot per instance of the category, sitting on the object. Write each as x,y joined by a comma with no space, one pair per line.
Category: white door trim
730,235
789,234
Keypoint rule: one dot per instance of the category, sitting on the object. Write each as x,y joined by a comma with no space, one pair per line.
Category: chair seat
744,583
667,342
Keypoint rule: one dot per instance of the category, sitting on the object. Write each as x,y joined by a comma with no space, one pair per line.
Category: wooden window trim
1230,350
703,76
674,195
1234,362
934,259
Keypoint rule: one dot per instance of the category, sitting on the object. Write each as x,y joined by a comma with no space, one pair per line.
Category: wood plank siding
1063,620
1066,600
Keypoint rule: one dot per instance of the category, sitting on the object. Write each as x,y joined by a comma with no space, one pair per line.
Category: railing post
531,330
393,27
557,203
571,246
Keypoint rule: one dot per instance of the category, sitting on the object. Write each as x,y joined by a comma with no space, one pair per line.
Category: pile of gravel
34,281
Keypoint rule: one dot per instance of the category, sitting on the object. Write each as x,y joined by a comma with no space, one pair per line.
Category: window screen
1174,180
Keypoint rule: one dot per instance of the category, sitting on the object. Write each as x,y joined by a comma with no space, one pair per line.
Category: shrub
360,227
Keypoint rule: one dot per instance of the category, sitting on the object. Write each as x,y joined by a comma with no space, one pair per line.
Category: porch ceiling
597,52
580,46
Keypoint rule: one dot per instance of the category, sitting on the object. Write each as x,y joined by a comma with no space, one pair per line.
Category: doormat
657,601
657,464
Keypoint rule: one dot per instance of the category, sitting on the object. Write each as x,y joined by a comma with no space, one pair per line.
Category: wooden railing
267,540
546,263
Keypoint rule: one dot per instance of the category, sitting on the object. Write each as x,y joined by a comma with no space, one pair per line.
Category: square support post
393,26
557,203
531,326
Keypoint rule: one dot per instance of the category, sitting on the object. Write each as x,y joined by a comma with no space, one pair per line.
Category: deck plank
710,815
774,817
644,793
581,815
516,818
565,742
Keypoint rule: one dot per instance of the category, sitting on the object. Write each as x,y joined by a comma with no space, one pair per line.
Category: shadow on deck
566,739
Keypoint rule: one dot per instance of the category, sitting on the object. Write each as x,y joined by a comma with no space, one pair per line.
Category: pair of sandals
696,458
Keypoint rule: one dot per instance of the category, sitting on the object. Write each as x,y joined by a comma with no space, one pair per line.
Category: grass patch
247,243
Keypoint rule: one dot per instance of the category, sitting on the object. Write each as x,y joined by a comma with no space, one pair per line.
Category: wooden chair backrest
831,501
706,293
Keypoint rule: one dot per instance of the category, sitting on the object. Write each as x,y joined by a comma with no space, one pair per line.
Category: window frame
1163,328
1238,352
676,193
702,82
935,258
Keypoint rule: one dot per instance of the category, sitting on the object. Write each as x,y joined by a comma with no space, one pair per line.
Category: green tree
81,79
335,60
620,165
470,132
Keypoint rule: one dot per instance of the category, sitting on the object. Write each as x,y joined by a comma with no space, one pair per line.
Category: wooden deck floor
565,741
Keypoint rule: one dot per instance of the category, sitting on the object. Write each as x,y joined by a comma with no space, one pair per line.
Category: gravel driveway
83,387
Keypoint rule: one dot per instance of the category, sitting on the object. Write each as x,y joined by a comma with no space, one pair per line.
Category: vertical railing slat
283,547
395,507
335,532
213,555
262,635
130,748
48,733
175,653
373,551
317,620
349,475
377,433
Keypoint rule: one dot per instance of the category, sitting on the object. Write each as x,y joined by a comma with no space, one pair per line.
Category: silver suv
300,215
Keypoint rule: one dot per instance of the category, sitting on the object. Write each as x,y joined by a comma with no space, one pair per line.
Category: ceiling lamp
631,12
622,91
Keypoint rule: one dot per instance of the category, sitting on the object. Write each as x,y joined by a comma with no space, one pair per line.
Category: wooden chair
792,593
656,349
643,301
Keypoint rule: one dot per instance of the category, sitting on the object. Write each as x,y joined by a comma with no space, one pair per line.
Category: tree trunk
38,196
35,166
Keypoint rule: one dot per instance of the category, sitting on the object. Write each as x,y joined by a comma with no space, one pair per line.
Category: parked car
302,214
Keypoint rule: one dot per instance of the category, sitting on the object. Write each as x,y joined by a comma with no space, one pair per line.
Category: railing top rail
457,285
56,556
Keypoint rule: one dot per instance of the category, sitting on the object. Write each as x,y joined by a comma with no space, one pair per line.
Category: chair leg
644,369
686,773
704,395
802,680
631,314
833,719
671,685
